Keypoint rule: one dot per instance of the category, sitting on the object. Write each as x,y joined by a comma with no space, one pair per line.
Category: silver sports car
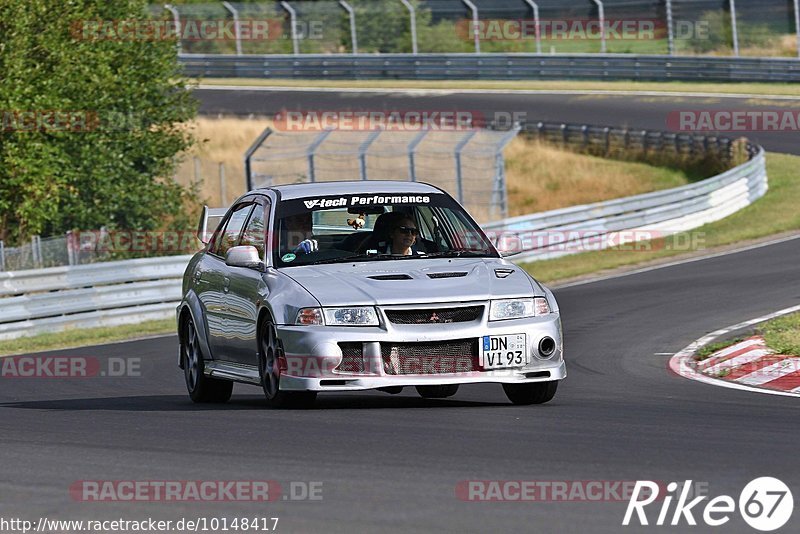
346,286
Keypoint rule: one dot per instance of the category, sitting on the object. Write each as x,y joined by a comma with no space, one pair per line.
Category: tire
437,392
202,389
536,393
269,366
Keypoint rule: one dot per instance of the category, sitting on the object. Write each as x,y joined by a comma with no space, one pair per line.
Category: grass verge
783,334
775,213
89,336
775,89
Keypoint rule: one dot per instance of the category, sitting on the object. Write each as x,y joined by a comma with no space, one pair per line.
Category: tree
107,118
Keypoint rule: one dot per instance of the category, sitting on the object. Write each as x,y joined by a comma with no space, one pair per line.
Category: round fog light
547,346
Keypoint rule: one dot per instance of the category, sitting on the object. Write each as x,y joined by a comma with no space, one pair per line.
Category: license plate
498,352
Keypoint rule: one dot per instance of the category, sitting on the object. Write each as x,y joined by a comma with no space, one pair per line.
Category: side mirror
244,256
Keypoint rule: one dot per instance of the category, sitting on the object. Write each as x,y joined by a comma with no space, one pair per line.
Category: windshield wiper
348,258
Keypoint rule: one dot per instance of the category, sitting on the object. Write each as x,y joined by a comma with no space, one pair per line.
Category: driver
300,227
402,237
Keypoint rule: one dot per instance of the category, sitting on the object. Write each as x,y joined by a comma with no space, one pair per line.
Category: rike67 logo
765,504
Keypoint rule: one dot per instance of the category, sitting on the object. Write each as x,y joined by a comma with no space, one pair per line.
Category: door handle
226,284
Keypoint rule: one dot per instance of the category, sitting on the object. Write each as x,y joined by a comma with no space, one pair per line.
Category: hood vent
503,273
390,277
446,275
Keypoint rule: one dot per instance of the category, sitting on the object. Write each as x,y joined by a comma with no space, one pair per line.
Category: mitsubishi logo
434,318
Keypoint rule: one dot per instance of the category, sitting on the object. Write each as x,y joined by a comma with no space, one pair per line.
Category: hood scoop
390,277
503,273
446,275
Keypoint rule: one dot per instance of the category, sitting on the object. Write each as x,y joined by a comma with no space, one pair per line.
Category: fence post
459,178
176,18
413,15
538,30
362,153
248,156
607,136
2,256
36,252
312,148
353,35
476,31
412,149
293,22
70,249
797,23
198,175
237,28
734,28
670,29
601,16
223,196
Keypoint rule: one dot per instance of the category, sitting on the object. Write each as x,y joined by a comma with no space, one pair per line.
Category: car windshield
374,227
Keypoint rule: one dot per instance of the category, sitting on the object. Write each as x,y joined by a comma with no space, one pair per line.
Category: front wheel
270,360
202,389
535,393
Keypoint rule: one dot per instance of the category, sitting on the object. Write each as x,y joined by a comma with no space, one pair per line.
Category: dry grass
540,177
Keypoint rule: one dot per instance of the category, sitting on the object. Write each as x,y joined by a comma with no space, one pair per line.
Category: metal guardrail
87,296
494,67
132,291
618,222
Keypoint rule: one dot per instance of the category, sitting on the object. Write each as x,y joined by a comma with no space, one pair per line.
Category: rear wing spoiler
209,222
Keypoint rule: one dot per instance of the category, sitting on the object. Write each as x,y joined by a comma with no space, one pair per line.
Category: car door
212,277
247,289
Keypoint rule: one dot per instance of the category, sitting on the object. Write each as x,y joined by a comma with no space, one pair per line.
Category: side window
254,233
229,236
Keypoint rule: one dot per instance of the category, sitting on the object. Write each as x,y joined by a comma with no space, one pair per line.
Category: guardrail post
312,148
797,23
734,28
412,149
535,7
362,153
413,17
459,178
353,35
177,20
2,256
585,134
644,142
476,31
237,28
293,22
564,135
601,16
670,29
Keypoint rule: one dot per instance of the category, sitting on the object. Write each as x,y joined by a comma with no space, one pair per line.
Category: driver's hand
307,246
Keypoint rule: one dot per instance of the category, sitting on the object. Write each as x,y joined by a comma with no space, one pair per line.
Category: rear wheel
437,392
202,389
536,393
270,359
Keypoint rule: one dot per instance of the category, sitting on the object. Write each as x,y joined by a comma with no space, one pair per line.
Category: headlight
365,316
500,310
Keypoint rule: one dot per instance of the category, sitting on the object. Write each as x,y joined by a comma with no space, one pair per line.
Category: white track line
681,363
446,92
679,262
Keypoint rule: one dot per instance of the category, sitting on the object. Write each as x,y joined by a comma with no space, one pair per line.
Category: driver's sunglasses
408,230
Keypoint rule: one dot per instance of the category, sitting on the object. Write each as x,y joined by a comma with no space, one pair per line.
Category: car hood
413,281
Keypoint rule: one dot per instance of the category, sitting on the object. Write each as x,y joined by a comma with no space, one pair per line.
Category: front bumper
313,354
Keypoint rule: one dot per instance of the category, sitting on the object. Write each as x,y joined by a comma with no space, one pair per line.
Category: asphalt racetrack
392,463
646,112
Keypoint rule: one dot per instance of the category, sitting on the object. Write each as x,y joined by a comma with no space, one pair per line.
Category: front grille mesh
434,316
352,358
430,358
